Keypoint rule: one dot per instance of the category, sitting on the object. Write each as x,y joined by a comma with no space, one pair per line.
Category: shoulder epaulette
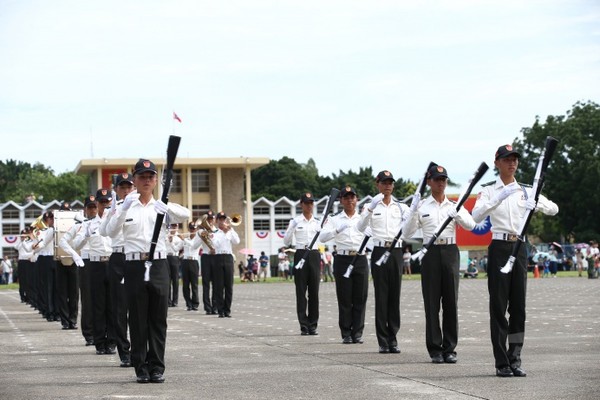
337,213
488,183
525,185
119,202
452,201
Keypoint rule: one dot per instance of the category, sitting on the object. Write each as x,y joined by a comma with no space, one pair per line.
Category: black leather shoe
504,372
110,350
450,358
214,312
358,340
73,326
157,377
100,351
394,349
437,359
189,308
221,315
227,315
313,332
304,333
347,340
384,349
65,327
518,371
194,308
143,378
89,342
126,362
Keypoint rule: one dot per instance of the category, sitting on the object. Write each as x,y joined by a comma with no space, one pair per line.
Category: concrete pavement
259,353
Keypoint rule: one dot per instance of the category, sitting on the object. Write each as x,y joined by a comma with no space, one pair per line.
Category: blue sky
387,84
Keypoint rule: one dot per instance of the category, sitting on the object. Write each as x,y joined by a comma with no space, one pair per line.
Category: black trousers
174,279
24,280
223,278
148,306
189,276
507,293
33,293
116,273
351,294
67,290
307,280
206,268
85,295
387,282
47,267
104,332
439,282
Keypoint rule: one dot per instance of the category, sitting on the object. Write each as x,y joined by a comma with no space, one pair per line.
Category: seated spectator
471,272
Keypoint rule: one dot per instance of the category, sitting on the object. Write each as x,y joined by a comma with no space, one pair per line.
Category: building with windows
200,184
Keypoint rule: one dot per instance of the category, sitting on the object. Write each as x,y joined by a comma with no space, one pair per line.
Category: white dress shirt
385,220
191,247
138,222
99,246
506,216
304,231
430,215
348,239
223,241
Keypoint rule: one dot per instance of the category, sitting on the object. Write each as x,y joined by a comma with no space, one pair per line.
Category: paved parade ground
260,354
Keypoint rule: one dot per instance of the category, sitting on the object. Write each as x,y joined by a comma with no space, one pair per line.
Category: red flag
175,116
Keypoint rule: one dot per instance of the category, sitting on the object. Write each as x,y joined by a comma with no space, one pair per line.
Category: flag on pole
175,116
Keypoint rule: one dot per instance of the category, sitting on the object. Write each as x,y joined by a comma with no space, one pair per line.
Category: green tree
285,177
18,180
573,175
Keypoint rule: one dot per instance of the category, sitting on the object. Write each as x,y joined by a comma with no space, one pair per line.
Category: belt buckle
387,244
144,256
442,241
511,237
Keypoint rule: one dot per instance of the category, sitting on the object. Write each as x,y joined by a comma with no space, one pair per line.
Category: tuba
206,230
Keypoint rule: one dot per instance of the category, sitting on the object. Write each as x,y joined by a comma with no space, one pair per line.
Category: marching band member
23,247
174,244
351,292
190,268
116,271
147,300
46,266
100,249
440,266
207,264
385,216
303,228
223,240
67,276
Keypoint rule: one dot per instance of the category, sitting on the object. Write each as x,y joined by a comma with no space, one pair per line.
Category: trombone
234,220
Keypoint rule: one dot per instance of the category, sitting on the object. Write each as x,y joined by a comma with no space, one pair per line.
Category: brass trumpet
235,219
39,223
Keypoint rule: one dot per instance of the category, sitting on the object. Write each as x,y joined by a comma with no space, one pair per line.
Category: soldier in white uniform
505,202
100,249
148,301
352,291
46,266
440,266
385,217
207,266
303,228
116,271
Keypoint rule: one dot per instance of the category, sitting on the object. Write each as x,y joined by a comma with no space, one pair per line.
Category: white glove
374,201
507,191
452,213
78,260
415,202
160,207
530,204
343,226
293,223
129,200
368,232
